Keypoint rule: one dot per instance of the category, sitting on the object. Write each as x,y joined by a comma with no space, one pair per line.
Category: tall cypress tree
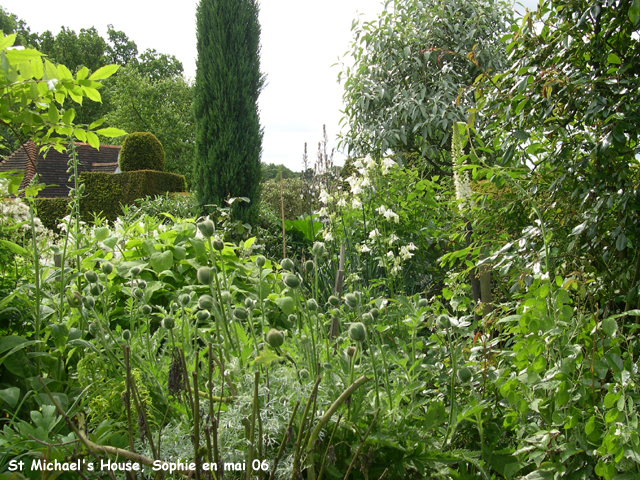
228,82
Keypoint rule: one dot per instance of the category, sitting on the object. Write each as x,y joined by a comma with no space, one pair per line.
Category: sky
301,40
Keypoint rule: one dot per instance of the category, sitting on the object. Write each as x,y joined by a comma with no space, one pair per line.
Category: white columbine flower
363,248
381,209
387,163
324,197
391,215
356,203
327,236
342,202
405,253
392,238
373,234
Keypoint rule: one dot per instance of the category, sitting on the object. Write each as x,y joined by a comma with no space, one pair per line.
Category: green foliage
295,203
141,151
51,211
140,104
271,171
403,90
106,192
228,82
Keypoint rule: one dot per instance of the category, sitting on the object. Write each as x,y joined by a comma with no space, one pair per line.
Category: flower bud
260,261
205,302
206,228
96,289
184,299
135,271
443,321
375,313
423,303
218,244
464,374
357,332
89,302
318,249
146,309
291,281
126,335
312,305
287,264
275,338
240,313
333,300
204,275
309,265
91,276
203,315
351,300
248,303
292,318
304,374
75,299
225,296
106,267
367,318
95,330
351,351
168,323
142,284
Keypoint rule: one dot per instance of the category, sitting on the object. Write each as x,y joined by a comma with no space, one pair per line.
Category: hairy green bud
240,313
275,338
204,275
207,228
106,267
205,302
287,264
168,323
291,281
333,300
351,300
91,276
260,261
357,332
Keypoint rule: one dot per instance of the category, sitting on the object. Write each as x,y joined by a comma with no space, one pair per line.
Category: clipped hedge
104,192
52,210
141,151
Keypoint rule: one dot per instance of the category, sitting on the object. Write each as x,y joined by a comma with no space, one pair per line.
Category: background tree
228,82
163,107
408,68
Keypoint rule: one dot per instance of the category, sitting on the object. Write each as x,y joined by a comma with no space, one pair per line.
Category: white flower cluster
388,214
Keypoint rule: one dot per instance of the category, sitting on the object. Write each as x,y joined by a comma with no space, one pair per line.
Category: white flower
392,238
342,202
365,182
356,203
390,255
324,197
405,253
381,209
327,236
373,234
387,163
358,164
363,248
395,270
323,212
371,163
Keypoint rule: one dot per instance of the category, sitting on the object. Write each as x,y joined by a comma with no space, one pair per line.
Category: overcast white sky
300,39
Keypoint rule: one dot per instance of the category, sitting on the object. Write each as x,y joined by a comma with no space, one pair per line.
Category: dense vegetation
479,322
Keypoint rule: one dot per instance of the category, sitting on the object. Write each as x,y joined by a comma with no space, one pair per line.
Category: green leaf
610,326
621,242
7,41
92,94
267,357
10,395
613,58
15,248
93,140
111,242
104,72
101,233
82,73
634,12
68,116
111,132
161,261
54,115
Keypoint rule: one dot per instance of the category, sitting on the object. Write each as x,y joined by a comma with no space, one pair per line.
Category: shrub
293,193
105,192
52,210
141,151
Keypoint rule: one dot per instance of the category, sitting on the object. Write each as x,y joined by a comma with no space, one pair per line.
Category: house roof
53,168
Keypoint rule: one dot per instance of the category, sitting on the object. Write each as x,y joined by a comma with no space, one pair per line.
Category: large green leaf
161,261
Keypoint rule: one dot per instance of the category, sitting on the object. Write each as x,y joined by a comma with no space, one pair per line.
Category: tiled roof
53,168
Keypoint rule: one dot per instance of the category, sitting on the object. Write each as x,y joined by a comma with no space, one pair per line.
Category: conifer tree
228,82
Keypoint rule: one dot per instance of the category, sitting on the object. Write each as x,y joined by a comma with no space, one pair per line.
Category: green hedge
104,192
52,210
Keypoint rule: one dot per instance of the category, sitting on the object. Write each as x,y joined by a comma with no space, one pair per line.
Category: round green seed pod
204,275
136,292
126,335
423,303
287,264
318,249
168,323
260,261
203,315
89,302
96,289
275,338
146,309
94,329
91,276
312,305
218,245
135,271
367,318
464,374
333,300
249,303
225,296
240,313
206,228
351,300
75,299
309,266
304,374
291,281
205,302
357,332
444,322
184,299
106,267
375,313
